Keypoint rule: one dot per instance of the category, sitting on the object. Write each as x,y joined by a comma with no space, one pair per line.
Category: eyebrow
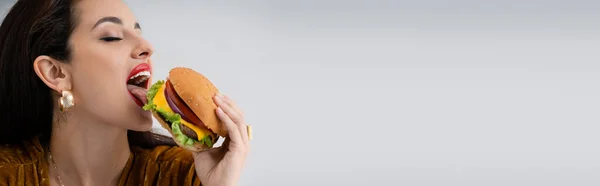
115,20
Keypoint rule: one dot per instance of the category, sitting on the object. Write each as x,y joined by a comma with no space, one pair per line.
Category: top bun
197,92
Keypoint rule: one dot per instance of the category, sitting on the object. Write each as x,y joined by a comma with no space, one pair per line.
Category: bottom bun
197,147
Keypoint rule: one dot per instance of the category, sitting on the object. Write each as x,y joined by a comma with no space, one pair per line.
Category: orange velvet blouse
26,165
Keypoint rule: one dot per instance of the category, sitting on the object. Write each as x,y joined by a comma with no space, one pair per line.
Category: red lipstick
139,68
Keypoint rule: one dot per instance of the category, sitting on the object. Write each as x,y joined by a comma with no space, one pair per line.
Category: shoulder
26,152
160,165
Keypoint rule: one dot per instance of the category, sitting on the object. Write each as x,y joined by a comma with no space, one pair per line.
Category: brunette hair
30,29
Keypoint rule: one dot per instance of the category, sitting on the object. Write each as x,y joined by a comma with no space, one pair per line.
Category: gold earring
66,101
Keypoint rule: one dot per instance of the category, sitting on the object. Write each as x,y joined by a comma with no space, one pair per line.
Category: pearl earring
66,101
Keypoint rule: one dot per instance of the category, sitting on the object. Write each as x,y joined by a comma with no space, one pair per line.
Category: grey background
398,92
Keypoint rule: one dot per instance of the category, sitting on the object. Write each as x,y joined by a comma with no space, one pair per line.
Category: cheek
99,80
98,72
101,92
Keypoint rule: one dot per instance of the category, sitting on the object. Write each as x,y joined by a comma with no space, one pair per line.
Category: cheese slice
161,103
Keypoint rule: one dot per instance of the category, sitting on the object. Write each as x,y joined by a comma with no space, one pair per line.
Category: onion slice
174,107
179,107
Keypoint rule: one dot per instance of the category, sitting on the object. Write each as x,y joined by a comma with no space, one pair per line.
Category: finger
238,120
234,115
232,128
243,126
231,103
243,132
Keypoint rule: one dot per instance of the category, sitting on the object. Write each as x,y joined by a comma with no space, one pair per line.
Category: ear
53,73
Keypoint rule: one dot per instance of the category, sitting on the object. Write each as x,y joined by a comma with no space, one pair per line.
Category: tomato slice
178,106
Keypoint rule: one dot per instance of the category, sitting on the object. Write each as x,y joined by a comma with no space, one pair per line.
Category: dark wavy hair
30,29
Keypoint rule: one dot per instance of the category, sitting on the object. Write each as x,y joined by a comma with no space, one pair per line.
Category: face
107,50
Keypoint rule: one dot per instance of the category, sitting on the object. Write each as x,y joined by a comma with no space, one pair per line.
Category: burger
183,104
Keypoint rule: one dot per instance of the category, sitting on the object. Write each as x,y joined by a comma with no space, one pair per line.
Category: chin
142,120
145,125
138,122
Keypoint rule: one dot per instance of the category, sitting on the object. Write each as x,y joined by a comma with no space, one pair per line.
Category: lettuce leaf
207,140
151,94
174,120
169,116
175,127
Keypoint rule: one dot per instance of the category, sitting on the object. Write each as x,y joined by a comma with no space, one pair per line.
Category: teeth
146,75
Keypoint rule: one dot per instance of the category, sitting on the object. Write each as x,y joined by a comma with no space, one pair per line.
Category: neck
88,152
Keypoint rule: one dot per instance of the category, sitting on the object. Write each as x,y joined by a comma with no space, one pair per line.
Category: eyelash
111,39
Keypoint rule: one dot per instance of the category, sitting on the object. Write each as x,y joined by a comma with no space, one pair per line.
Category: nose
143,50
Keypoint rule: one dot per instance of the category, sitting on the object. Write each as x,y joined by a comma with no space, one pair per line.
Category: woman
51,50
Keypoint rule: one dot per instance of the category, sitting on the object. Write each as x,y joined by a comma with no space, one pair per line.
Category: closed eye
110,39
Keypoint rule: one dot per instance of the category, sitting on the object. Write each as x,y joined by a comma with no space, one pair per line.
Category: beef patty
188,132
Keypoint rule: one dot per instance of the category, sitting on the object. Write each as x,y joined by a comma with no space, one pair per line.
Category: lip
137,69
140,68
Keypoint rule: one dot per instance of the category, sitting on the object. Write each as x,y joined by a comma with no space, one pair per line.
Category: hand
222,166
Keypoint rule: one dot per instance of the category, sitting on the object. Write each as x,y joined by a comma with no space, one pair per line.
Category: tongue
139,93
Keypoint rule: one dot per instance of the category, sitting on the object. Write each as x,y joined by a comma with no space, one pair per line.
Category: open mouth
137,83
140,79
